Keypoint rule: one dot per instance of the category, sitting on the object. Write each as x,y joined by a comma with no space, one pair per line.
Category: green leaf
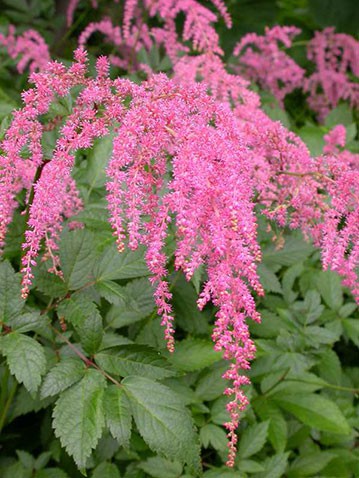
277,429
330,367
316,411
117,414
135,304
187,314
342,114
313,138
351,327
25,403
85,317
97,160
30,321
310,464
26,359
211,385
111,291
294,250
49,284
162,419
268,279
27,460
78,417
106,470
78,257
161,468
274,466
134,359
11,302
249,466
329,285
213,435
112,265
253,439
64,374
194,354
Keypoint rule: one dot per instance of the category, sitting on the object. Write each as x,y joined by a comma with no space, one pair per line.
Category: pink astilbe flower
28,48
209,199
262,60
125,58
206,192
336,58
198,30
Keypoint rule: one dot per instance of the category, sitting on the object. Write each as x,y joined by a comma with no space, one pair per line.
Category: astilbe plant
185,160
261,59
177,157
29,49
336,59
198,31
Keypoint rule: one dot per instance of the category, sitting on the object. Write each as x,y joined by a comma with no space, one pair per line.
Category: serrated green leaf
136,304
106,470
49,284
85,317
111,291
330,367
194,354
275,466
213,435
290,276
249,466
97,160
268,279
159,467
78,417
112,265
253,439
11,302
294,250
310,464
316,411
351,327
134,359
30,321
78,257
211,385
329,285
277,429
64,374
117,414
25,357
162,419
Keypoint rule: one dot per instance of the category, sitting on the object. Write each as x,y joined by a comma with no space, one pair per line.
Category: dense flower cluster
335,56
29,49
336,59
135,33
262,60
207,195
